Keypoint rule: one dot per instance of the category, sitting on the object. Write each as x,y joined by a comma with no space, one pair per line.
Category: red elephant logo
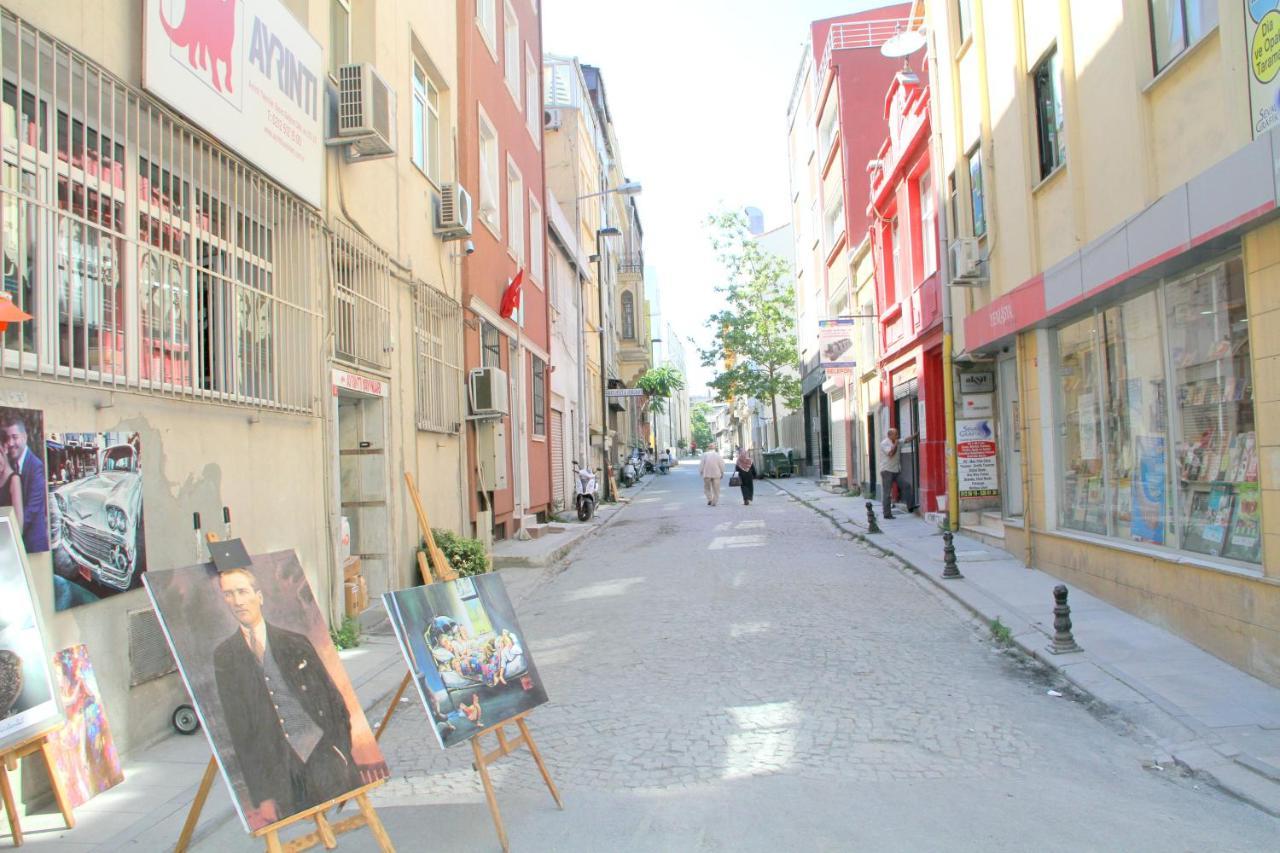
207,31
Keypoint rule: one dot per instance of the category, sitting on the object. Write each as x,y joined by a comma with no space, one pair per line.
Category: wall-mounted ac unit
968,269
453,212
366,111
487,391
551,119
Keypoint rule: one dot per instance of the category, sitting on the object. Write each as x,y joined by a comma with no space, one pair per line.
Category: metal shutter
839,441
557,460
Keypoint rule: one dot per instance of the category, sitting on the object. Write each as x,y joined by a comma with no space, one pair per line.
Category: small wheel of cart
185,720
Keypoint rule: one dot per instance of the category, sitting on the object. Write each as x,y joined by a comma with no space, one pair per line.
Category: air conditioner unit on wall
453,212
487,391
551,119
968,268
366,111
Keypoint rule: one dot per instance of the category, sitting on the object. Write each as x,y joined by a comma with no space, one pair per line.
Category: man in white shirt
711,471
890,468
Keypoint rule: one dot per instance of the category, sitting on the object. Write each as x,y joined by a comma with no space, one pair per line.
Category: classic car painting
99,541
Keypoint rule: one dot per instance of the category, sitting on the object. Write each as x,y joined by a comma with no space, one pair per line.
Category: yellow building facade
1110,185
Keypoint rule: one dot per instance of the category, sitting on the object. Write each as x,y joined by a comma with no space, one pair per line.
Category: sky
698,90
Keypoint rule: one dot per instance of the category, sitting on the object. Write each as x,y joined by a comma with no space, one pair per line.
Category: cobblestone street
746,678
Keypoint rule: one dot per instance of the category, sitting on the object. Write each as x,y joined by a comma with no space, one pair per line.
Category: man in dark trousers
289,724
35,496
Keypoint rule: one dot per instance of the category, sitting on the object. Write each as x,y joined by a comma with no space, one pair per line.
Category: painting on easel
28,702
280,713
467,654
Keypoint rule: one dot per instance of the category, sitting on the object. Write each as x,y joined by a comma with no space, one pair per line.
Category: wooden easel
325,833
505,746
9,761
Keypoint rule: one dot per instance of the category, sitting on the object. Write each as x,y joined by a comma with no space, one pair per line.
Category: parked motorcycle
585,491
630,472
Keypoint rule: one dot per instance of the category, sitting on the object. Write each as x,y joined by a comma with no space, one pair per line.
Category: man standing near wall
712,471
890,468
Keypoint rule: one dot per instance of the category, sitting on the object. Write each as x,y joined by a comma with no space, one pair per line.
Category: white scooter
585,488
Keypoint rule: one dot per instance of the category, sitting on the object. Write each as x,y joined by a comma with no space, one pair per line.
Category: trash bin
778,462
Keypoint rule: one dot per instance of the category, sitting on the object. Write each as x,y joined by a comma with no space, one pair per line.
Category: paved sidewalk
1197,710
550,548
147,810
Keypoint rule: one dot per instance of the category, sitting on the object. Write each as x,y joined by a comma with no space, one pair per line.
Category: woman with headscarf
746,469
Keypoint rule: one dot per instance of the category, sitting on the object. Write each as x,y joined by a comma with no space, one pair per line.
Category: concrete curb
1249,779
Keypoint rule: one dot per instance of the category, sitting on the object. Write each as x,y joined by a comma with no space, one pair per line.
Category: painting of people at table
467,654
277,706
23,481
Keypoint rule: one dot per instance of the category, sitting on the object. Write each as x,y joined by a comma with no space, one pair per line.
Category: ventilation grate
149,655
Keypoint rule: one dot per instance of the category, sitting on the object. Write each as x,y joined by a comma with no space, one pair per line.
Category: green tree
700,423
659,383
754,347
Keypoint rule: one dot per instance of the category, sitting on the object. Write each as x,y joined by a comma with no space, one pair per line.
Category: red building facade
904,243
501,165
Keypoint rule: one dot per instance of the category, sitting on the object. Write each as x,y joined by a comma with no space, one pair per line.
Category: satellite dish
903,44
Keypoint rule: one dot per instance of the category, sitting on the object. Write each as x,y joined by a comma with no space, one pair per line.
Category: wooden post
10,809
537,759
482,767
395,703
9,761
197,806
443,569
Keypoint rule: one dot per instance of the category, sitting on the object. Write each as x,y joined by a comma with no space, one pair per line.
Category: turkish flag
511,296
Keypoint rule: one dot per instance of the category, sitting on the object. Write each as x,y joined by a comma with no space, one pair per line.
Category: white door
558,498
839,439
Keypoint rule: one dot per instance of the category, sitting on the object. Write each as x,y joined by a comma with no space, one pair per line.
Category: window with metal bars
490,346
539,396
151,259
437,319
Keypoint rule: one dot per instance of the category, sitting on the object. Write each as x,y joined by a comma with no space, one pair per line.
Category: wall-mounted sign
977,405
1262,40
836,345
624,392
356,382
977,383
976,458
248,73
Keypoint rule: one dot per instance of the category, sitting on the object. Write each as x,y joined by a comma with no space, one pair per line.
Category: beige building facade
1110,188
283,337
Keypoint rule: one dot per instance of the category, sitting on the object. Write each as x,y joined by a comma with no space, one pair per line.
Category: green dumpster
778,462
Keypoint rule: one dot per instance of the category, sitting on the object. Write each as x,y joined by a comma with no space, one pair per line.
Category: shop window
1082,505
1178,24
1156,419
1046,81
977,196
539,396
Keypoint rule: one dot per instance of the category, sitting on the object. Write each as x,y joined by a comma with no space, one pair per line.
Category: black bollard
950,570
872,527
1063,641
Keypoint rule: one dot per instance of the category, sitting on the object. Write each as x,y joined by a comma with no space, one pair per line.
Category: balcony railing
632,263
859,35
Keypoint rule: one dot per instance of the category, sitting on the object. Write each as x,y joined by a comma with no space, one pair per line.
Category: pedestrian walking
712,469
890,468
745,466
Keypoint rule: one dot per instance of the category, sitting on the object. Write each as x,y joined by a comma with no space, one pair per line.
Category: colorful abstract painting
85,753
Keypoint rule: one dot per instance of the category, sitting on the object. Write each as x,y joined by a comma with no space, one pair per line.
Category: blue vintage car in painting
100,520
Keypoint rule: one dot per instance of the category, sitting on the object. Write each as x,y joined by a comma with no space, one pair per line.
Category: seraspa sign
250,74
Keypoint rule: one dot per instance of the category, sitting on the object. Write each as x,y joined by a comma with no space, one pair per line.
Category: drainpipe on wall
944,273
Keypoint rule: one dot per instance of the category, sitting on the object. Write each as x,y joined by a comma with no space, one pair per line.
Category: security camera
469,247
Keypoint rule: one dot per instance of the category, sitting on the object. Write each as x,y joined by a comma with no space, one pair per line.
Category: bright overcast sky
698,90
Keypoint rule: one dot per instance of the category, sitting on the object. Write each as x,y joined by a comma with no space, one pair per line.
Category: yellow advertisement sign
1262,35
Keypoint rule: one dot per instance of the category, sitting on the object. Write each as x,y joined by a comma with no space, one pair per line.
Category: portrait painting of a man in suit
288,722
253,647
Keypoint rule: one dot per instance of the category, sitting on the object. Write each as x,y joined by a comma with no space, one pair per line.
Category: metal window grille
539,396
360,317
151,259
437,324
490,346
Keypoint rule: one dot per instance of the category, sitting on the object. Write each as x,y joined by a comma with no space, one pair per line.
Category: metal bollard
950,571
1063,641
872,527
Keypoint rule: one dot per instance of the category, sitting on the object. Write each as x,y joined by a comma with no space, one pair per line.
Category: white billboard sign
836,345
249,74
976,458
